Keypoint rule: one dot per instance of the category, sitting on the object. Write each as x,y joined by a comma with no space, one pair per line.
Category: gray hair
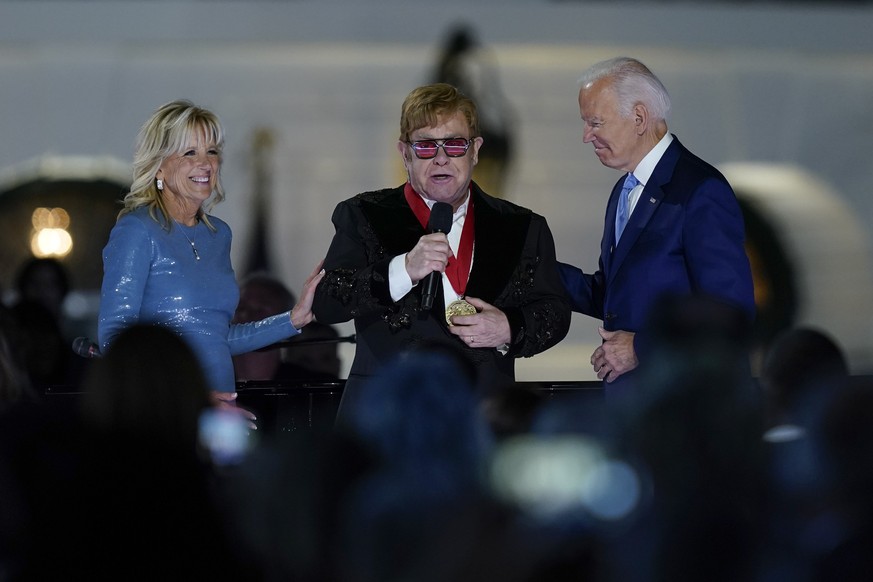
633,83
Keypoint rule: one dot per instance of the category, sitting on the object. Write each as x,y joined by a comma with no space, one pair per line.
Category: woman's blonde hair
169,131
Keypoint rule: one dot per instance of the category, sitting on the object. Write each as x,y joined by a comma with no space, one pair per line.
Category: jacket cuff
515,317
380,286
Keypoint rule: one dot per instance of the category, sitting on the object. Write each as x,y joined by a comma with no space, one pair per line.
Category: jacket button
609,316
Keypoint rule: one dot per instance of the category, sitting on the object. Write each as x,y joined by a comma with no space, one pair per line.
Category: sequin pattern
151,276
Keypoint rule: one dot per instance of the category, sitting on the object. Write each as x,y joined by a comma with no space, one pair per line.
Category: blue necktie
623,213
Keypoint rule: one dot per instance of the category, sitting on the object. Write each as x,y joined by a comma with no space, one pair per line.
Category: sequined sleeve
535,302
126,263
247,337
356,279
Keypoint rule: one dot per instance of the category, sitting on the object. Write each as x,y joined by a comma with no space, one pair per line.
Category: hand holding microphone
431,254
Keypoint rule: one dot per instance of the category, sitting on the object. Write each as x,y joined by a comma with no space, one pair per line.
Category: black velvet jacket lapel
500,238
392,220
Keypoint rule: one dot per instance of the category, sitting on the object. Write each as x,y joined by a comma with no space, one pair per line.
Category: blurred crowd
698,474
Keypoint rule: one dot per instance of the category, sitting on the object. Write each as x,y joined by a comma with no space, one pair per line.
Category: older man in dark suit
498,294
673,224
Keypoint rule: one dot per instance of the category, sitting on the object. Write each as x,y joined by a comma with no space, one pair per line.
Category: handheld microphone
86,348
440,221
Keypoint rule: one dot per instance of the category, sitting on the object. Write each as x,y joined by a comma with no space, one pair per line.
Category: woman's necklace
190,241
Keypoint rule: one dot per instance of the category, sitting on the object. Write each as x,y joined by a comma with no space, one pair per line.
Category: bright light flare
550,477
50,237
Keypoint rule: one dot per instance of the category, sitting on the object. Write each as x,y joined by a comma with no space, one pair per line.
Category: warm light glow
556,476
50,218
50,237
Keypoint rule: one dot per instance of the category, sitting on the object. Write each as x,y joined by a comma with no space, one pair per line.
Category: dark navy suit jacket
685,237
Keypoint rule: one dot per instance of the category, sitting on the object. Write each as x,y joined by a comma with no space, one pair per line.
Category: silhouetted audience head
14,380
693,424
42,285
697,324
148,385
697,347
287,499
847,435
262,295
45,281
421,418
802,366
47,354
450,350
846,441
124,493
511,410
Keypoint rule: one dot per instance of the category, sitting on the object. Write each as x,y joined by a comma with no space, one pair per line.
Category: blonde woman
167,261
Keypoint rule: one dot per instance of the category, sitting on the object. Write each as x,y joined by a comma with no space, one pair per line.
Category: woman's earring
160,184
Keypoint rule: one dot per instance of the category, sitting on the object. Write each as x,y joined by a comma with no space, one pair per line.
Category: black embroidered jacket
514,269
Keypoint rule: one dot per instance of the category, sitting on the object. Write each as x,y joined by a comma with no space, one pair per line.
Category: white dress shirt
644,170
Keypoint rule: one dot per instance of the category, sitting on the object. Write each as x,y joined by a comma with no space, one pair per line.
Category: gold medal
459,307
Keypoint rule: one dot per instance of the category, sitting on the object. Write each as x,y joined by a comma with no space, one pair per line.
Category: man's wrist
513,340
399,283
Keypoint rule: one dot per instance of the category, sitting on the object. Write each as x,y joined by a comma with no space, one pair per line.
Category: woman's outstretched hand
302,312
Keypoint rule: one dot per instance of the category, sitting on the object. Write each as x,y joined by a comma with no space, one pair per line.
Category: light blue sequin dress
151,275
